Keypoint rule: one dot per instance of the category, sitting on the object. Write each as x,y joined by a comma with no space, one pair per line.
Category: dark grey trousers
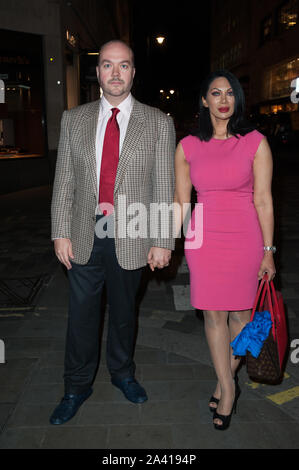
86,283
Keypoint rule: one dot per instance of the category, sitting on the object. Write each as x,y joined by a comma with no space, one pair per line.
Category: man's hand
158,257
63,250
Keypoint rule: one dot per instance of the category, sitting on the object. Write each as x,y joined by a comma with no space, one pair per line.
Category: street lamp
160,40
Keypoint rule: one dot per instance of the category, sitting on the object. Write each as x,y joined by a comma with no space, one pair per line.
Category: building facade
259,42
46,67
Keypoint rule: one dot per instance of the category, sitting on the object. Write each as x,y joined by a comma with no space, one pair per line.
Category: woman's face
220,99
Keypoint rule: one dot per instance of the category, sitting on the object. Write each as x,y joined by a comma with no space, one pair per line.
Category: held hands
63,250
158,258
267,266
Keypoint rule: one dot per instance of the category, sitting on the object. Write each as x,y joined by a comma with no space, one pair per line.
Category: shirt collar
125,106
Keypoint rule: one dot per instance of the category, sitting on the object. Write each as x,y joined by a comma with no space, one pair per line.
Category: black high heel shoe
217,400
213,400
227,418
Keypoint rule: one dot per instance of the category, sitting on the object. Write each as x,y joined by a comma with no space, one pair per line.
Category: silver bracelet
270,248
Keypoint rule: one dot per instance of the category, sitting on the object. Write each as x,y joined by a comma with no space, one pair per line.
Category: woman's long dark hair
237,124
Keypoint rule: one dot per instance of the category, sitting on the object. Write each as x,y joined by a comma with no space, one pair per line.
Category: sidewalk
172,357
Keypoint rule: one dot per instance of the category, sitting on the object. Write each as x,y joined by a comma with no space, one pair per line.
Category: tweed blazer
145,175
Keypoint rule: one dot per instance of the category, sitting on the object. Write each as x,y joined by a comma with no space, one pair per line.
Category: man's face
115,72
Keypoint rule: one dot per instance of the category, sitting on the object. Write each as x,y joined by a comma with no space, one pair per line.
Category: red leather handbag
268,366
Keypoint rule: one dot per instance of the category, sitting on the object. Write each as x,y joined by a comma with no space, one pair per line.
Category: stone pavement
172,357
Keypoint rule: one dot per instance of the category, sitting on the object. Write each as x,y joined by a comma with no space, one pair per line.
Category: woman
230,165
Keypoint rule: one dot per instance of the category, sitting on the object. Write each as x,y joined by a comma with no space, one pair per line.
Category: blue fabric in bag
253,335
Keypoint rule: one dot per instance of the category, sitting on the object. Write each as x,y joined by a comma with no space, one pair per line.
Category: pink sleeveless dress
224,267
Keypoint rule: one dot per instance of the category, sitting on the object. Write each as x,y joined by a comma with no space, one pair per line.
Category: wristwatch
270,248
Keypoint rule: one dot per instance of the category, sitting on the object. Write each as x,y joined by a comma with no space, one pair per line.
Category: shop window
276,108
266,109
279,108
277,80
22,116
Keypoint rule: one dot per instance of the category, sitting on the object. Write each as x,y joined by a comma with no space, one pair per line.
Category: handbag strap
261,286
263,290
270,302
274,297
274,293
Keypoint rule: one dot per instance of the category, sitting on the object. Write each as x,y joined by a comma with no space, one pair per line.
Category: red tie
110,157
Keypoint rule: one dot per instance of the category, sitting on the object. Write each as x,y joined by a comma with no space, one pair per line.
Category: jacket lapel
134,133
88,135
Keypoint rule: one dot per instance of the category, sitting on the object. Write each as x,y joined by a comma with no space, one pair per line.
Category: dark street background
181,62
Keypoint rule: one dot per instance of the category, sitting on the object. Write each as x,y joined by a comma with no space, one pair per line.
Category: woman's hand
158,258
267,266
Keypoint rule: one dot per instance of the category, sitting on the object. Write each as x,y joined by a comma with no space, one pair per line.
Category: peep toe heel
213,400
226,419
217,400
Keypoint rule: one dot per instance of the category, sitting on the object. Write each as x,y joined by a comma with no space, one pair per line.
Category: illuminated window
276,108
277,81
265,109
284,107
288,15
71,38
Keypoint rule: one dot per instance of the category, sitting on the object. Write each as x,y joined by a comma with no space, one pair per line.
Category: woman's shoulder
253,140
189,144
253,136
189,141
190,138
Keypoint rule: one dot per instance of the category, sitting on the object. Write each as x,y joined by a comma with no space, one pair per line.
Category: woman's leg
218,338
236,321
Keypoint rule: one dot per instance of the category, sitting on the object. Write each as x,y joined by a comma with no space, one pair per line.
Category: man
114,152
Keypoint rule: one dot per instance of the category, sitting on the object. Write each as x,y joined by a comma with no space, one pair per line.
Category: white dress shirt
123,117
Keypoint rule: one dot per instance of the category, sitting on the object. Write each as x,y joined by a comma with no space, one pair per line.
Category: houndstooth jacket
145,174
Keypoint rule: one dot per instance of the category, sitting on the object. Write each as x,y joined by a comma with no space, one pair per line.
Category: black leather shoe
131,389
68,407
